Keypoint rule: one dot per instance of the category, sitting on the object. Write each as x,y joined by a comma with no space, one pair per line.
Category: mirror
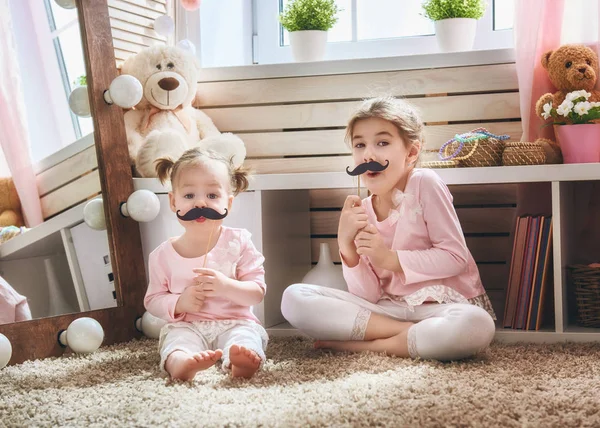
60,266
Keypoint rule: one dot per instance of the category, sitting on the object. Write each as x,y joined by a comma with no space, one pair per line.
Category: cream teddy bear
164,123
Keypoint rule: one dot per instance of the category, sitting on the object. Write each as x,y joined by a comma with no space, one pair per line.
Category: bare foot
244,362
183,366
395,345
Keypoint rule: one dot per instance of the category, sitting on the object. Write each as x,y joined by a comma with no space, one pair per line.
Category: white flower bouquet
574,110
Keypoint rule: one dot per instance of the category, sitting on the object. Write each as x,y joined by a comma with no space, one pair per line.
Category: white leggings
442,332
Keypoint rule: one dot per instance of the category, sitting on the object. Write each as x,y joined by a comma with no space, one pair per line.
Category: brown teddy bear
571,68
10,205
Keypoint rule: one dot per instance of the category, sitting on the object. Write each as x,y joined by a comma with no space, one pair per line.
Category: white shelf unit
561,178
21,263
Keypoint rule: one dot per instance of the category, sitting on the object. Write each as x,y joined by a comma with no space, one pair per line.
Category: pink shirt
234,255
13,306
425,232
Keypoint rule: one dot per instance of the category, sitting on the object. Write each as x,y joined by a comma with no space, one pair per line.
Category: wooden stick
208,245
359,186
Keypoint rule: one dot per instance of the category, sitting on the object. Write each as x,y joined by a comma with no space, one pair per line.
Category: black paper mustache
205,212
372,166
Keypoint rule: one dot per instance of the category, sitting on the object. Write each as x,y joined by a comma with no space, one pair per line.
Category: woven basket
485,149
586,280
440,164
521,153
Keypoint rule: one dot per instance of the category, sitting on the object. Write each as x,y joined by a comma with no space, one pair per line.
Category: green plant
575,109
444,9
80,81
300,15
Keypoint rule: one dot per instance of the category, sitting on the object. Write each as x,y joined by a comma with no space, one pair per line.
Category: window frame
268,50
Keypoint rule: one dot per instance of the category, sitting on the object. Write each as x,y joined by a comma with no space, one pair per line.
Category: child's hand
370,243
213,282
190,301
352,219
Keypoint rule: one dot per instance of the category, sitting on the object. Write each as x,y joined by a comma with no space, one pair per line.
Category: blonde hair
167,169
400,113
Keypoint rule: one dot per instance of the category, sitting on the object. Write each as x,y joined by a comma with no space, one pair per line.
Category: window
247,31
66,38
378,28
50,59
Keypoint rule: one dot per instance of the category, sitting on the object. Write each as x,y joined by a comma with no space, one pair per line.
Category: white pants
198,336
441,331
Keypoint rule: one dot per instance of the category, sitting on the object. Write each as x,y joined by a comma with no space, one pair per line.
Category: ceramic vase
308,45
455,34
326,273
579,143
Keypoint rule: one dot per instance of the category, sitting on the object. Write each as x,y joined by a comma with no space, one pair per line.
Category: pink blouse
234,255
425,232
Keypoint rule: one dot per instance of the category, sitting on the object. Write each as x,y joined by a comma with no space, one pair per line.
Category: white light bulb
164,25
150,325
93,214
125,91
79,103
5,351
84,335
142,205
66,4
187,45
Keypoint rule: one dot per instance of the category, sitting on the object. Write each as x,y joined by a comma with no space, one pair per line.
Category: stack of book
530,273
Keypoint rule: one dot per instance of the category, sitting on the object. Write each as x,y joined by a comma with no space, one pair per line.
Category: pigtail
239,179
164,167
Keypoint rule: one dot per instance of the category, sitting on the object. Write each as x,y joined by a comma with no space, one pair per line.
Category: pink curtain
538,29
14,138
538,26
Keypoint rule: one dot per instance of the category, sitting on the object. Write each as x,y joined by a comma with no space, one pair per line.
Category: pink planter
579,143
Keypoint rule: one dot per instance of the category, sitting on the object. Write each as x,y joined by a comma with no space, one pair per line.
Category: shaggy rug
508,386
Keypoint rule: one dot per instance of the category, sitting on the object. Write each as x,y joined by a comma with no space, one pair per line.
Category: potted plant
307,22
455,22
576,127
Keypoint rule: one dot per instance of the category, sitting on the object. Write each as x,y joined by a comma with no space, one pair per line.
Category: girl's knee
477,328
292,302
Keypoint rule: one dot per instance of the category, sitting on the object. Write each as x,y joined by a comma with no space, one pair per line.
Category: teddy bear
164,123
10,205
570,68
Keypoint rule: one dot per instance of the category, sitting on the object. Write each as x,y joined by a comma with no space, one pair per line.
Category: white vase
326,273
455,34
308,45
57,304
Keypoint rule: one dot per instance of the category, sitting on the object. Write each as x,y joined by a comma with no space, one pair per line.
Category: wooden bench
296,125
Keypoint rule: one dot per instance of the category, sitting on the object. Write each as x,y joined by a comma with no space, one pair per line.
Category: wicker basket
440,164
586,280
521,153
475,149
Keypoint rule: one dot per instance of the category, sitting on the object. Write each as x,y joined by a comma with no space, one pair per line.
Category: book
516,270
528,270
542,264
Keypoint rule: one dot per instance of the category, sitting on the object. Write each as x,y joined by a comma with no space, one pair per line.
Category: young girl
208,309
414,288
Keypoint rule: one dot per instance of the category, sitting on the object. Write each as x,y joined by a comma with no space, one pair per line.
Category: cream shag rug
508,385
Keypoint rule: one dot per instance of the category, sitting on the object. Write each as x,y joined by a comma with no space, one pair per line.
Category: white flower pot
326,273
455,34
308,45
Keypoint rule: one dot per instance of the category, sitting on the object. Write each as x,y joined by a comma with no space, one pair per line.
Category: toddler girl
414,288
208,309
